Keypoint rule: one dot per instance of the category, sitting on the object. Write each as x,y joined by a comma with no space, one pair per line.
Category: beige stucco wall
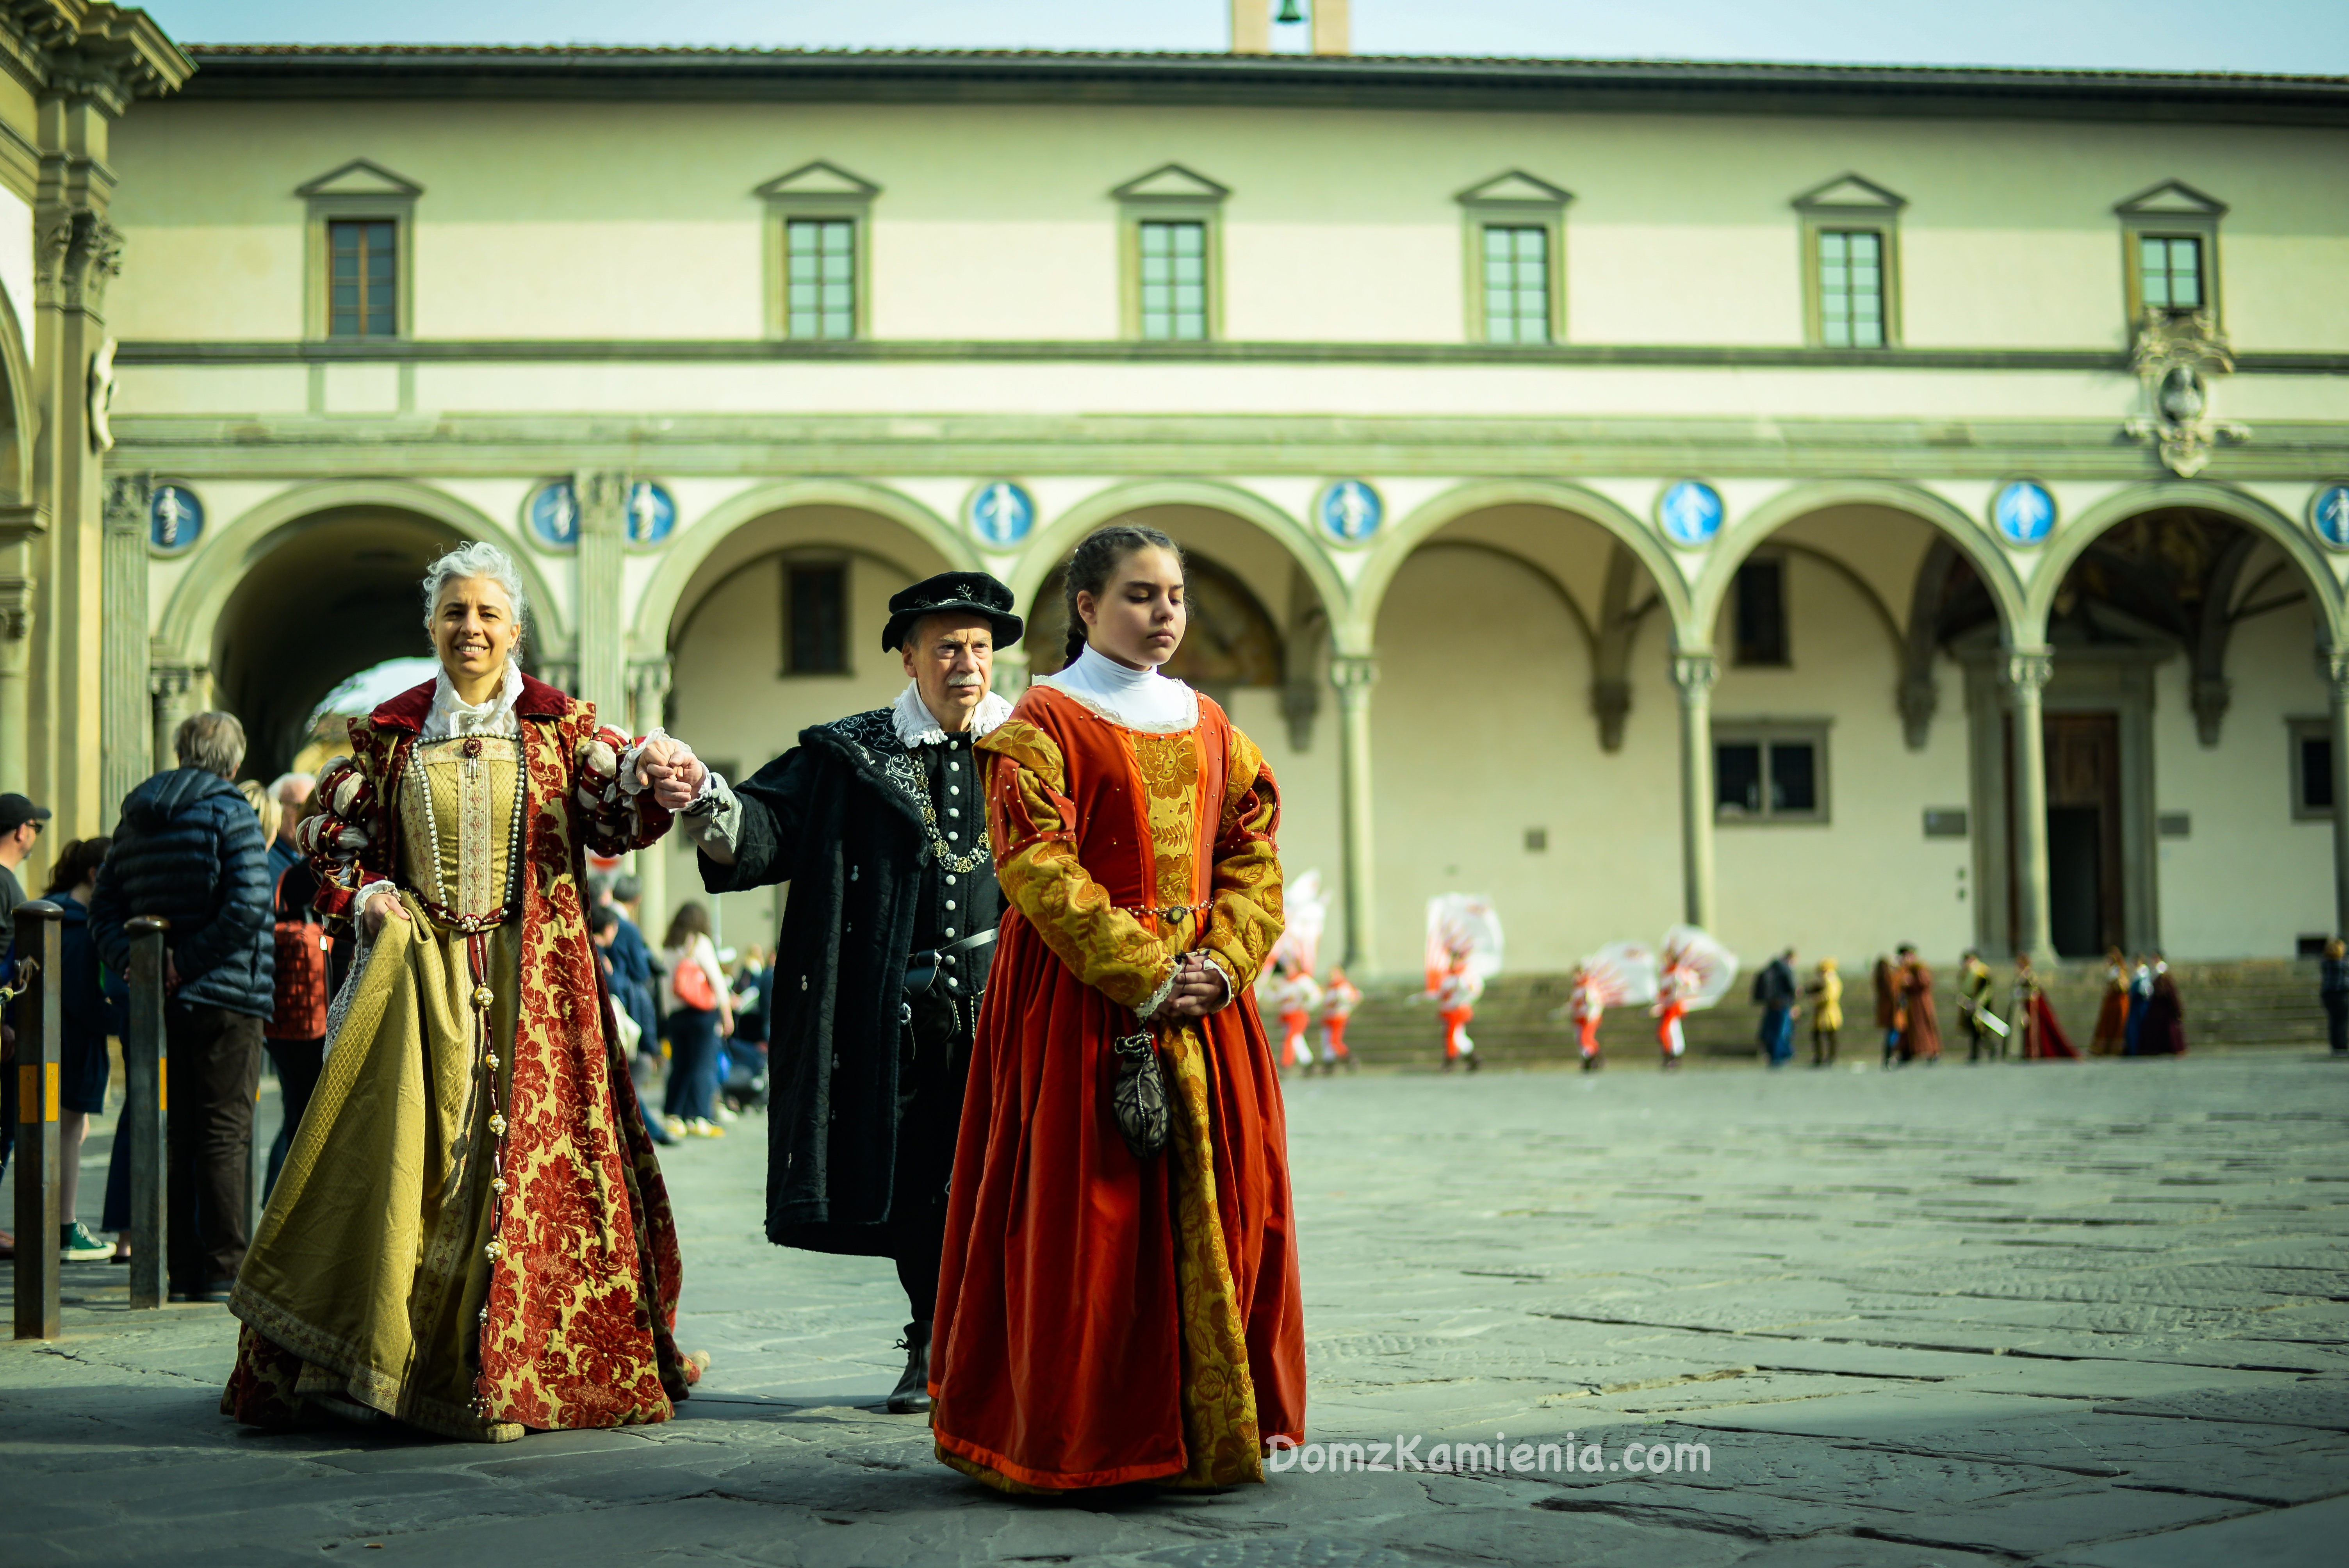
636,220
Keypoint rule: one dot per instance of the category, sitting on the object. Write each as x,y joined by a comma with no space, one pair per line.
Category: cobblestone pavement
2074,1315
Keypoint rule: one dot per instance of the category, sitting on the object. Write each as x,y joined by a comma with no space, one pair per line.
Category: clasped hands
1199,989
670,769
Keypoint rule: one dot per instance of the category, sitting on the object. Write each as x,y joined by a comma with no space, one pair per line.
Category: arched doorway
1525,738
333,594
2187,744
778,629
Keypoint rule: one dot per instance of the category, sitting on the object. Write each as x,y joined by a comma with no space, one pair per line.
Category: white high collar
917,726
1138,699
452,714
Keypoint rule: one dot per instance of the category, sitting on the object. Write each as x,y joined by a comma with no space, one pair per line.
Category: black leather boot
911,1396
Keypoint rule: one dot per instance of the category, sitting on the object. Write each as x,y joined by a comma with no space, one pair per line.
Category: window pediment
1173,184
820,178
1515,188
363,178
1849,193
2171,199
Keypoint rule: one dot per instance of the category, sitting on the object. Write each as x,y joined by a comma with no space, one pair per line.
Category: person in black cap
877,822
20,824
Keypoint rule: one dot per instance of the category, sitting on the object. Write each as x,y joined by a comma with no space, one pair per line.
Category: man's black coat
828,819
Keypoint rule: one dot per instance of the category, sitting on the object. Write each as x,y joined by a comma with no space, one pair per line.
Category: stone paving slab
2083,1315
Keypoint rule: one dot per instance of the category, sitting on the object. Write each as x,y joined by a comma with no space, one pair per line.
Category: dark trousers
298,1064
692,1064
2336,1021
213,1073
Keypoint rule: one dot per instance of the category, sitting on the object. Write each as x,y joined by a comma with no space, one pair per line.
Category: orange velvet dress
1103,1319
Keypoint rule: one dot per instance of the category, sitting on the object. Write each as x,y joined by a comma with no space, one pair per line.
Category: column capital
15,609
2333,666
2028,669
78,255
1694,671
1353,672
172,680
603,501
126,503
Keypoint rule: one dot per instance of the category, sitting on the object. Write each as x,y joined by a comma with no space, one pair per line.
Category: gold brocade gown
373,1261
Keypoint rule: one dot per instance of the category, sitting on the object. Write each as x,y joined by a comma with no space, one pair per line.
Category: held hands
1199,990
672,771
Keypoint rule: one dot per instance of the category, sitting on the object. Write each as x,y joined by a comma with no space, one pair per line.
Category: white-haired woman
469,1234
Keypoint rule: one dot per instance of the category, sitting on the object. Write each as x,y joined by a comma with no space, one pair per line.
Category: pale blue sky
2306,37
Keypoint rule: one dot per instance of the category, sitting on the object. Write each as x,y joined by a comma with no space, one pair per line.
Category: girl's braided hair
1089,564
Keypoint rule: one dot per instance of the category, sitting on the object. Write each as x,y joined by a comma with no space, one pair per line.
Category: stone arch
17,441
663,597
1648,550
2074,537
1744,535
221,563
1051,542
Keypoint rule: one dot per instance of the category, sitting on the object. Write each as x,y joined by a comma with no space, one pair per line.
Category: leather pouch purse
1137,1095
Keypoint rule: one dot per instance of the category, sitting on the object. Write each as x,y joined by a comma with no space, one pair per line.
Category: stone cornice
291,446
92,49
1336,81
286,351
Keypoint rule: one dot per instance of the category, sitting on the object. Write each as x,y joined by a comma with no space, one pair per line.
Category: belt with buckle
924,969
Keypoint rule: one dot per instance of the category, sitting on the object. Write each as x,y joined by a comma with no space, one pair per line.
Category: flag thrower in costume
1464,946
1339,1000
1290,993
1620,975
1694,972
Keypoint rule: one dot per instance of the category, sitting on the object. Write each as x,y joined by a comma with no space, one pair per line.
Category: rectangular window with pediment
1173,280
363,278
2170,271
819,260
1851,288
1517,282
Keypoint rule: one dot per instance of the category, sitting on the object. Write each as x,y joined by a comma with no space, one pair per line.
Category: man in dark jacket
1774,988
190,851
879,823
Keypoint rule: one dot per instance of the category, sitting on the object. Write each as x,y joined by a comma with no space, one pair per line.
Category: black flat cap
972,593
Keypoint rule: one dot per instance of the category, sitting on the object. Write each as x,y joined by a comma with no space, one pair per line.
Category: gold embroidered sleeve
1028,821
1246,919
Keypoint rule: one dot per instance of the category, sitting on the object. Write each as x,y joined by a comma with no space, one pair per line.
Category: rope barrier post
38,1038
145,1112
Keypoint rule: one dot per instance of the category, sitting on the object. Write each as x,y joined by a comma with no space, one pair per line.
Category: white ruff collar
452,716
1137,699
917,726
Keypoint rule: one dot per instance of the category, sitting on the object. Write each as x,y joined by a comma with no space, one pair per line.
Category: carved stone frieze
78,255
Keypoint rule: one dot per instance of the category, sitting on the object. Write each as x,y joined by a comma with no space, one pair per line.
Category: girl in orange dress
1106,1318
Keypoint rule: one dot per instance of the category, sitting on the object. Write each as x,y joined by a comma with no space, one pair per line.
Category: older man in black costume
879,823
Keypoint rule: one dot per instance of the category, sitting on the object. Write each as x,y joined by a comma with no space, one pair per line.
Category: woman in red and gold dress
470,1234
1104,1318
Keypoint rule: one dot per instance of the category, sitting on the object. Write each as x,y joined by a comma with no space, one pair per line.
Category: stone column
2027,672
648,691
172,688
2336,674
126,706
1694,670
602,539
1353,675
15,658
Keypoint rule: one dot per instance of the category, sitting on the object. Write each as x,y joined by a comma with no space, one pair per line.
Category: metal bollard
145,1113
38,1037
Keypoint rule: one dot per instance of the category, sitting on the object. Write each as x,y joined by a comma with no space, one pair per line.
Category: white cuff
1157,999
720,824
1229,991
629,783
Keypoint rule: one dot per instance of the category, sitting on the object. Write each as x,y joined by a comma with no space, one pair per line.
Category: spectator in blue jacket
191,851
